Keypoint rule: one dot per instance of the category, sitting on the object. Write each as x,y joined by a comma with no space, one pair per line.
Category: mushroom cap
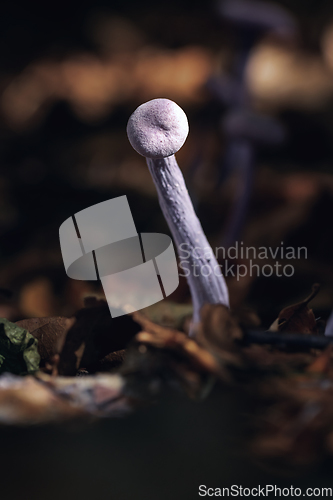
157,128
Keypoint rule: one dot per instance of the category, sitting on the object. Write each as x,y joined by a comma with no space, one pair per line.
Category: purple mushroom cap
158,128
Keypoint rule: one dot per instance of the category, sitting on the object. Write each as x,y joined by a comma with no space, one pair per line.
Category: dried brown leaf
297,318
66,344
49,332
93,336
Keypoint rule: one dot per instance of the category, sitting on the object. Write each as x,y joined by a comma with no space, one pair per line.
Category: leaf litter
90,366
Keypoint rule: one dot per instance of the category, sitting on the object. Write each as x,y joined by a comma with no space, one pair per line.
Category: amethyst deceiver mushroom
157,130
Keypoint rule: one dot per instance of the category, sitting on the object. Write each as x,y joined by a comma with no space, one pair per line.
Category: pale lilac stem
204,276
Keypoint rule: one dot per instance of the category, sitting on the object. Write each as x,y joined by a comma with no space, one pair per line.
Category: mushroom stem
329,326
197,259
241,154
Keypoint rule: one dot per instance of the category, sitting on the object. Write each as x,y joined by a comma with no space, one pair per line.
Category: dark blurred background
70,77
252,79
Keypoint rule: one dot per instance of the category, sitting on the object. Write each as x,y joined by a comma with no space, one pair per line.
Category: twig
283,340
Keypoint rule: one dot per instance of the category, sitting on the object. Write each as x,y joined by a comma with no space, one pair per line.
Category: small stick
283,340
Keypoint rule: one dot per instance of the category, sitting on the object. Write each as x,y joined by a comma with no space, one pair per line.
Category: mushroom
245,131
157,130
243,127
251,21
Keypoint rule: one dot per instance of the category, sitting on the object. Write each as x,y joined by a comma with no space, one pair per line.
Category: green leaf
18,349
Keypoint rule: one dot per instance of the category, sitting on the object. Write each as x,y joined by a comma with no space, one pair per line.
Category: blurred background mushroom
243,127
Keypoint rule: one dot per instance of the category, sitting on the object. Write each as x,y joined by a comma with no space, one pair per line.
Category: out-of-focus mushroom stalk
245,131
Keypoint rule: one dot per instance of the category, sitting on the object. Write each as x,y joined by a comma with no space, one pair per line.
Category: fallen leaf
297,318
47,331
94,335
